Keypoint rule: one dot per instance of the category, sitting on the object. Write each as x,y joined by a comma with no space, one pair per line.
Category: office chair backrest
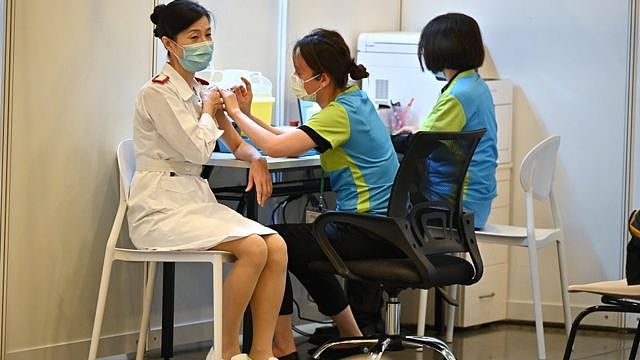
538,167
428,190
126,165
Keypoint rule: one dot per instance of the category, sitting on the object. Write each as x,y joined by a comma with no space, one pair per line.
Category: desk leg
438,321
168,292
252,205
247,322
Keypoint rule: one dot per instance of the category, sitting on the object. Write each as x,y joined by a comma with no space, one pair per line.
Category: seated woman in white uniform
172,208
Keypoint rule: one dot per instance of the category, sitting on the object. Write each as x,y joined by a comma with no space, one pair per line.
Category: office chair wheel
432,343
358,341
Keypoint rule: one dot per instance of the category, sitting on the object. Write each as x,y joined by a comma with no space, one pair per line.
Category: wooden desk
228,160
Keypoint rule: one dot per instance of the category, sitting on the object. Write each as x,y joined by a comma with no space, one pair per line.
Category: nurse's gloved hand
260,179
244,94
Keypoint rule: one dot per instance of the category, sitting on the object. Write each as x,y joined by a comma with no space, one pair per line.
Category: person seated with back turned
356,153
451,48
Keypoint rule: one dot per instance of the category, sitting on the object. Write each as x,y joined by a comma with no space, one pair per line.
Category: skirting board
523,310
113,346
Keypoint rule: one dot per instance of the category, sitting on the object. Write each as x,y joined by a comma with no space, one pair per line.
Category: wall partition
5,53
72,72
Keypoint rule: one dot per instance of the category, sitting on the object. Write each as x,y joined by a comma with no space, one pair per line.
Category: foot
240,356
212,355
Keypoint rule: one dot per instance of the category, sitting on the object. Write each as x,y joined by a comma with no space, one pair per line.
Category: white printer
394,71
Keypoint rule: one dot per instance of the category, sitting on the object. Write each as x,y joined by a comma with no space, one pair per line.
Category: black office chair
430,230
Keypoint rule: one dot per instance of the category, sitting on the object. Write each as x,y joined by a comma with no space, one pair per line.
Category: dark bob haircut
325,51
175,17
451,41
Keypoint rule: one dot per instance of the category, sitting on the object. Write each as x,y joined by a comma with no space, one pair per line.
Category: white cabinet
502,92
486,301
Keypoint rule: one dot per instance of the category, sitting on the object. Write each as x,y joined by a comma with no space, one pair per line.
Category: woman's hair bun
157,13
358,71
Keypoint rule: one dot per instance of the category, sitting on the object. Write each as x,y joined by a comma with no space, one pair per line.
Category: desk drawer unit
485,301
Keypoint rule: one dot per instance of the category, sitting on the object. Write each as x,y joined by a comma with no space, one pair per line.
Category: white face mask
297,86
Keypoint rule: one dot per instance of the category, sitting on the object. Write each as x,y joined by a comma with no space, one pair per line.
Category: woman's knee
252,248
277,250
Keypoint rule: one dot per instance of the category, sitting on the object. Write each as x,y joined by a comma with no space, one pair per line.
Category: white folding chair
127,166
536,177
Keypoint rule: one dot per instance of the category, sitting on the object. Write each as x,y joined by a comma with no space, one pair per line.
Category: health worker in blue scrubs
355,152
451,48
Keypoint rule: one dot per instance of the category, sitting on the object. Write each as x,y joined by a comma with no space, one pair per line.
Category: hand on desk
260,178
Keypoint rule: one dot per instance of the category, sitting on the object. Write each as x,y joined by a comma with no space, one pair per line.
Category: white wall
76,69
568,63
354,17
244,35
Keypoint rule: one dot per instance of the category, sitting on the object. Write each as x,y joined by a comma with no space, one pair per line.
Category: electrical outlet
631,321
154,340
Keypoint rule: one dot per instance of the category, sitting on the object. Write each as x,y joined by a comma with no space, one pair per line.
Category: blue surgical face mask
439,75
196,57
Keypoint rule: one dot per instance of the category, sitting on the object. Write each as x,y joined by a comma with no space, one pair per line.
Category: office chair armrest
469,237
395,231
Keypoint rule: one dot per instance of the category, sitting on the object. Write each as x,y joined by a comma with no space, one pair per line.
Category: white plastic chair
536,177
127,166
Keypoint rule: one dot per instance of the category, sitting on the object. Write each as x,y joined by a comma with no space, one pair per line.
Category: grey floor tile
493,342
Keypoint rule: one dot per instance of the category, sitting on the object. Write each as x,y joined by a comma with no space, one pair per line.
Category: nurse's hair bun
156,16
358,71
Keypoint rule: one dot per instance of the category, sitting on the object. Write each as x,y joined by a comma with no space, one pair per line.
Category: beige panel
78,65
350,18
